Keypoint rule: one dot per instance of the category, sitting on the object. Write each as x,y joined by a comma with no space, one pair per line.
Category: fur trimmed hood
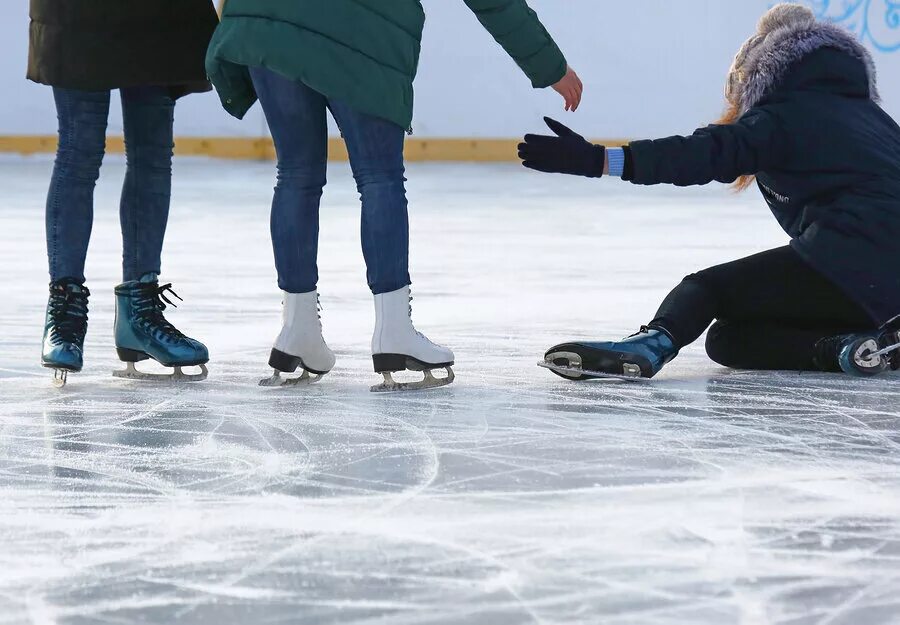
788,34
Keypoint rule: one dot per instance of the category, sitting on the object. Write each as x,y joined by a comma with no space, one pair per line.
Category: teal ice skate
64,329
640,356
863,354
143,333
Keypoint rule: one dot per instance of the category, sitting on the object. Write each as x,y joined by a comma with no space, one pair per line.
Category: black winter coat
825,155
97,45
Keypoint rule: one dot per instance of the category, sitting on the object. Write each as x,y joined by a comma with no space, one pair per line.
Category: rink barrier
418,149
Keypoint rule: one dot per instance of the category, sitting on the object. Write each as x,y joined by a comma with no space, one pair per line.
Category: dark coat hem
101,45
878,318
177,88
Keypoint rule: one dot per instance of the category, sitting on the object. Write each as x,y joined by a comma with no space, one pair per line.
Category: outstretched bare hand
570,88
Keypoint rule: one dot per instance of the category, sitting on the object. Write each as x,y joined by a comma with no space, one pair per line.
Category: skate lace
422,336
68,314
149,307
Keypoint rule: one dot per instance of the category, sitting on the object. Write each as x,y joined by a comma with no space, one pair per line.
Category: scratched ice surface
704,497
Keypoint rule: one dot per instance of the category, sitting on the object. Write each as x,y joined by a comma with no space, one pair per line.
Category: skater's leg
141,330
296,115
69,219
148,115
376,155
297,119
70,202
687,311
776,285
771,345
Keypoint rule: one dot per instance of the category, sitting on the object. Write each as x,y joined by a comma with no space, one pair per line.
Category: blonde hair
780,16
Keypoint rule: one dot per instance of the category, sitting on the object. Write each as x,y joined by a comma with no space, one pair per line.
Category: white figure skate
300,343
397,346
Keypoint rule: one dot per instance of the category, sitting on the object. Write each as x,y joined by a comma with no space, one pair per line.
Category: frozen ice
706,497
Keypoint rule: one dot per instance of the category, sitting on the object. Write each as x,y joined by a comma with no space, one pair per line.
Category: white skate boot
300,343
396,346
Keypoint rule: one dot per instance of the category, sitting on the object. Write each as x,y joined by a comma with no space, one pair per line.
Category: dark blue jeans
144,208
297,118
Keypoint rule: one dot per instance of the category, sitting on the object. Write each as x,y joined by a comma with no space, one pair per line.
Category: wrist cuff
616,158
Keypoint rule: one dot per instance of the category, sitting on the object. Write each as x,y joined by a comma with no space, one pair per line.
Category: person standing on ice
153,53
804,120
356,58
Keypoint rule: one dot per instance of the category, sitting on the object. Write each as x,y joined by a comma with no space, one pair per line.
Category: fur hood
781,43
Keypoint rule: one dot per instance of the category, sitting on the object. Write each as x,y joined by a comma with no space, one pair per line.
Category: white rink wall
650,67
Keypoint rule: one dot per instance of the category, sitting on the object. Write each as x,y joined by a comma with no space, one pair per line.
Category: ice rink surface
705,497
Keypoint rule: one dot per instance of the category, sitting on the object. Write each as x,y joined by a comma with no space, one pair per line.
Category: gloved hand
566,153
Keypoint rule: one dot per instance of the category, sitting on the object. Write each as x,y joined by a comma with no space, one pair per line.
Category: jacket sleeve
518,30
720,152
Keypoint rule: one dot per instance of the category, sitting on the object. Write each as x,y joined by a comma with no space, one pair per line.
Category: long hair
730,116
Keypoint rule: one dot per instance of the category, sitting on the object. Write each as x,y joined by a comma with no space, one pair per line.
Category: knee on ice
723,344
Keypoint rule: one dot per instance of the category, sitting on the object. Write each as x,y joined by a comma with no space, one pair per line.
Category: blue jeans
148,114
297,118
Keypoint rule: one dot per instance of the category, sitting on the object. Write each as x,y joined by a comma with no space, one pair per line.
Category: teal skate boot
863,355
142,333
640,356
65,328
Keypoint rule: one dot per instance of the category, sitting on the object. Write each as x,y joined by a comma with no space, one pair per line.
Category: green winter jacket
363,52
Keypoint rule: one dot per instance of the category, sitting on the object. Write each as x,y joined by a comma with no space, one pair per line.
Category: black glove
566,153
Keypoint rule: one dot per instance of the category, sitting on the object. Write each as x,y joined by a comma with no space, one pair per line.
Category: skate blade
178,375
392,386
579,374
887,350
60,376
303,380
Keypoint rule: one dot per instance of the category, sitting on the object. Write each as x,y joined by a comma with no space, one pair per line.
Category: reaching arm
518,30
721,153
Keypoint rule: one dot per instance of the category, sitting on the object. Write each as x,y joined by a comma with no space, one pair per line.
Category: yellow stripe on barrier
261,148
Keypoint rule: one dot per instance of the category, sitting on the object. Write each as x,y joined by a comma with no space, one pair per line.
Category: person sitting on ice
803,120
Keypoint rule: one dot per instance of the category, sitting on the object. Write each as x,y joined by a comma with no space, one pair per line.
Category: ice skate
300,343
864,354
638,357
64,329
143,333
397,346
